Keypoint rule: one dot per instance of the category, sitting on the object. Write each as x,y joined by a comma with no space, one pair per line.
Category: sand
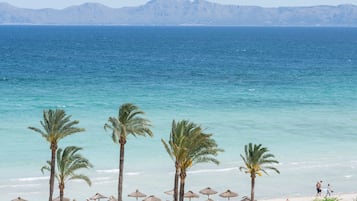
342,197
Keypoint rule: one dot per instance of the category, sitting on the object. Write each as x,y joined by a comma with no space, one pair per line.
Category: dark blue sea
294,90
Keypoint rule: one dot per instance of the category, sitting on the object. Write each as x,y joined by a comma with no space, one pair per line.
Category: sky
59,4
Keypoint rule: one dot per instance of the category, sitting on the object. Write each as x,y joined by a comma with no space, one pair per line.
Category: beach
342,197
291,89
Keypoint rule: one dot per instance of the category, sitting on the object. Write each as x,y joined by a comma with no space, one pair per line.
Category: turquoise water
292,89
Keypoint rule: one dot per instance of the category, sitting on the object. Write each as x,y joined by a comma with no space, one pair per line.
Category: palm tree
175,148
188,145
201,149
257,160
127,123
56,125
68,163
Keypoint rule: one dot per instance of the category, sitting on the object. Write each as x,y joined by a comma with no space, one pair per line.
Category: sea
291,89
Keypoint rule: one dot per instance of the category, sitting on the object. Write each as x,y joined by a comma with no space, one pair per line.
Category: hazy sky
121,3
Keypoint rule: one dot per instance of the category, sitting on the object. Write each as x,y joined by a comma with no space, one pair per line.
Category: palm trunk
61,188
53,165
177,174
182,184
252,188
122,142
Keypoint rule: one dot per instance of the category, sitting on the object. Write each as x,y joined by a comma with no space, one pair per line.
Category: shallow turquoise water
291,89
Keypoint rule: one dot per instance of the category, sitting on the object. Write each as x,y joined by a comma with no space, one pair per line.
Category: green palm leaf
189,145
127,123
55,126
256,161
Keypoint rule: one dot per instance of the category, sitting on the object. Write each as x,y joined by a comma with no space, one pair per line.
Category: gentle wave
19,186
101,179
108,171
30,179
212,170
117,170
24,193
313,165
133,173
105,182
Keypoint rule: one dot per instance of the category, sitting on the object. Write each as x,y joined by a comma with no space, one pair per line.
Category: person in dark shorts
318,188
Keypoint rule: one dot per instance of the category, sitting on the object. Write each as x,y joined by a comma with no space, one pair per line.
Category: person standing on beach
318,188
328,190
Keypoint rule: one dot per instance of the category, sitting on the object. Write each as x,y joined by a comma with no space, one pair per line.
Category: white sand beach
342,197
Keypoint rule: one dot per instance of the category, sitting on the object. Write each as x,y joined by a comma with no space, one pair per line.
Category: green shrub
327,199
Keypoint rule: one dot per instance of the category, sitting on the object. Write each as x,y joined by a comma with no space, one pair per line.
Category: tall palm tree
128,123
68,162
56,125
257,161
176,149
187,146
201,148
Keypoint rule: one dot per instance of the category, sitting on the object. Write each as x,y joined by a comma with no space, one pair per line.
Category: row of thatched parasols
137,194
56,199
207,191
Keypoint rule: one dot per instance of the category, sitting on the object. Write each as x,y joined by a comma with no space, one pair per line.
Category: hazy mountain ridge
183,12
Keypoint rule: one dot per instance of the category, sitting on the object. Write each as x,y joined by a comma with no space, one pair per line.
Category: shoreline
340,196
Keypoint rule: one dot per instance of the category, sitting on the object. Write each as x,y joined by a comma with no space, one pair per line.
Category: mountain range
182,12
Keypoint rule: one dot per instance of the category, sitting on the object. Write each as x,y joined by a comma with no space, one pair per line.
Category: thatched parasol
245,198
112,198
190,195
97,196
228,194
152,198
137,194
170,192
208,191
18,199
58,199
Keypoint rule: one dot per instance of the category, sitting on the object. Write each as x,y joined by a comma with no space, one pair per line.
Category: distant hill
182,12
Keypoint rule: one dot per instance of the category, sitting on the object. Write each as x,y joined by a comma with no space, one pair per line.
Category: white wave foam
101,178
117,170
133,173
19,186
213,170
108,171
24,193
30,179
348,176
105,182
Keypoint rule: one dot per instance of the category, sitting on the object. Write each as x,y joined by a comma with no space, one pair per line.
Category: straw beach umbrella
58,199
112,198
208,191
152,198
228,194
97,196
137,194
190,195
170,192
245,198
18,199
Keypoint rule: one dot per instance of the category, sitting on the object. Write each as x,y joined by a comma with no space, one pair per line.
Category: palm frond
56,125
68,162
188,145
46,167
128,123
256,158
81,177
